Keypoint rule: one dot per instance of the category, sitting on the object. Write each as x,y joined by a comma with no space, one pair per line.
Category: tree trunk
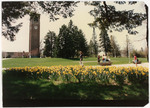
146,8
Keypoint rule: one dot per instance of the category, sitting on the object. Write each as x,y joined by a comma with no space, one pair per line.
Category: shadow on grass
19,88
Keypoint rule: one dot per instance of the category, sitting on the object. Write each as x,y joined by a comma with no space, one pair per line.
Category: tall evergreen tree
50,44
105,41
62,41
71,41
66,45
115,50
95,44
82,43
93,48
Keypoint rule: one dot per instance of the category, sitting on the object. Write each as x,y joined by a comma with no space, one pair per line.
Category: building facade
15,54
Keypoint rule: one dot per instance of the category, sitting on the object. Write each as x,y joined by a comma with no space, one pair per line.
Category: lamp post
128,47
129,51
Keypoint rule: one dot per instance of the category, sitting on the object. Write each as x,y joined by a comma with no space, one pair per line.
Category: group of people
104,59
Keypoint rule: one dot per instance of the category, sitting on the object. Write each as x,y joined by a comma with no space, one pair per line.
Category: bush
138,53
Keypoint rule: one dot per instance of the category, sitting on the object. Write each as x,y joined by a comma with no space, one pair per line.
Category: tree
70,41
146,8
115,50
118,52
105,41
11,11
127,47
82,43
95,44
120,21
50,44
91,49
138,53
65,43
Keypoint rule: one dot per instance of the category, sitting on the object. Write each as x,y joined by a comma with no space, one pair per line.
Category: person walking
81,58
98,59
135,60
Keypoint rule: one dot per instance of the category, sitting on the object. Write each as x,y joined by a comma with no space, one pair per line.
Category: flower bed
119,75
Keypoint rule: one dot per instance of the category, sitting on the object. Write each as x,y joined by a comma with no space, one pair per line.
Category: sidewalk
6,58
129,65
133,65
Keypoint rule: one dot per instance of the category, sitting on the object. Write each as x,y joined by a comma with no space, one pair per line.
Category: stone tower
34,36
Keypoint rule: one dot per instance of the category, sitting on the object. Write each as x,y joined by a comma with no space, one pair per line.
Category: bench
138,62
105,63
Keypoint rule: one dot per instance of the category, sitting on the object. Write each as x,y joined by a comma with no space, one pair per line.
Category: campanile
34,35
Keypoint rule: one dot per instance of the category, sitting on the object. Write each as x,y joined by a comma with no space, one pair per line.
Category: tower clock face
35,27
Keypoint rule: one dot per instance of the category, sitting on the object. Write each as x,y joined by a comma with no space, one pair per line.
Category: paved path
133,65
125,65
6,58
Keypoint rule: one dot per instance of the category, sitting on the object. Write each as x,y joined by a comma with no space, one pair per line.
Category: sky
81,19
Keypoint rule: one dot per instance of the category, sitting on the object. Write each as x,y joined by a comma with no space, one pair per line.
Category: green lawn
22,62
22,90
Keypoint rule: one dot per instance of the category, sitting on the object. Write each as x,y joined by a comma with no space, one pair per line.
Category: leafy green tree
11,11
50,44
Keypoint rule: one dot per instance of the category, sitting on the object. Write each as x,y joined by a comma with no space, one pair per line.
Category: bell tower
34,35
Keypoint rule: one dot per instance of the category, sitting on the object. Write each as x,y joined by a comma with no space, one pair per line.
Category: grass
22,62
17,90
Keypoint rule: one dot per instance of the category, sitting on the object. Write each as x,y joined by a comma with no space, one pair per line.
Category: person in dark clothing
98,59
81,57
